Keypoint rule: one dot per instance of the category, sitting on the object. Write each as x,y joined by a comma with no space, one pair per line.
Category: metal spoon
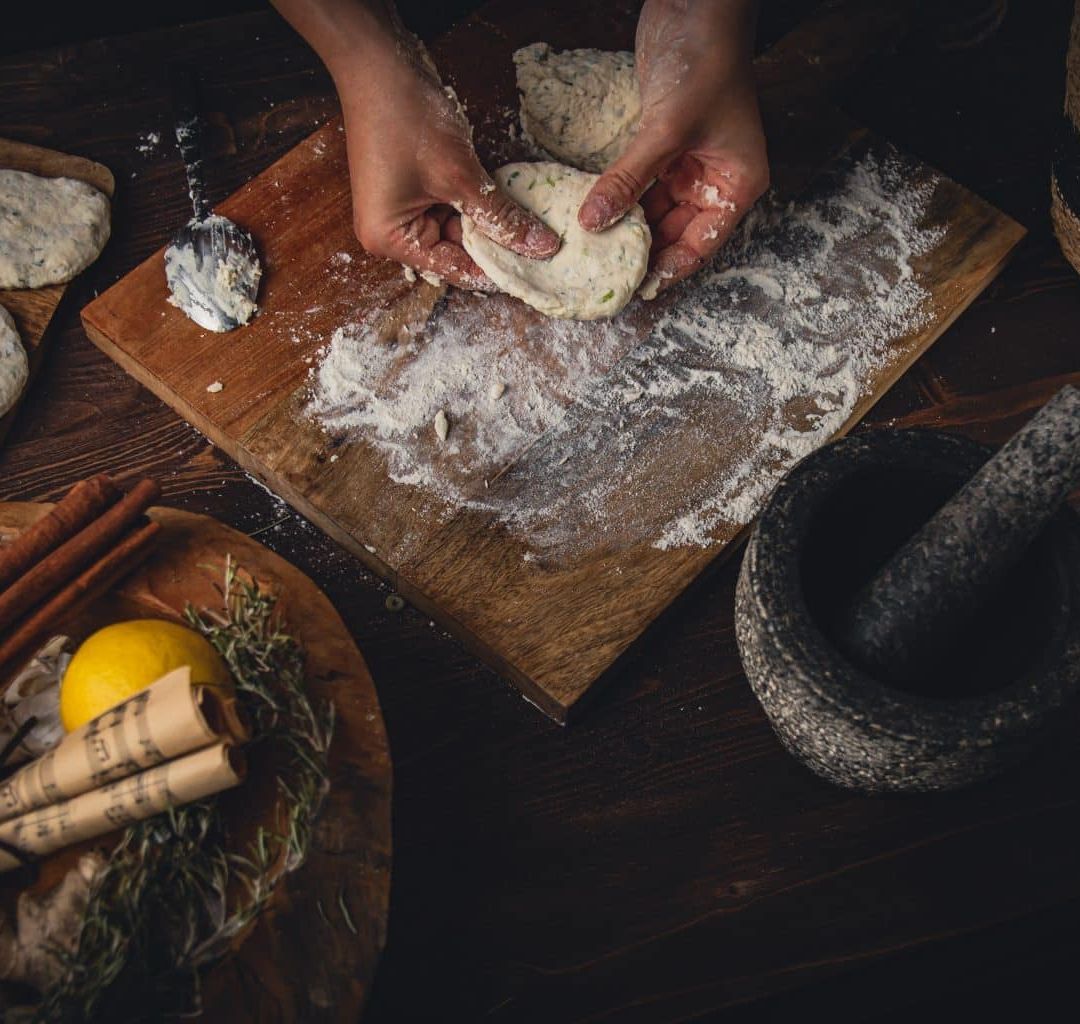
211,264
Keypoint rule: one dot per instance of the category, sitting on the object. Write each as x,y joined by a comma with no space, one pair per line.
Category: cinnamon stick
87,586
77,509
75,554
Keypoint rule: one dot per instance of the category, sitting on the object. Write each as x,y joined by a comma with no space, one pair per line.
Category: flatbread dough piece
14,367
50,228
582,106
592,275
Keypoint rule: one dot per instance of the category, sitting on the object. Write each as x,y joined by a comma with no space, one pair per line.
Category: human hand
700,143
412,166
413,170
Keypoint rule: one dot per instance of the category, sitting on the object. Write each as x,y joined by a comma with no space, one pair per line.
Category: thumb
622,184
504,222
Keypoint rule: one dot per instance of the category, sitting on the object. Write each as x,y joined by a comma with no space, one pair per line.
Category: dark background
71,21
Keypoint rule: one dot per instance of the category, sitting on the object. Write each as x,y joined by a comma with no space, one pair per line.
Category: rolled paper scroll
171,717
121,803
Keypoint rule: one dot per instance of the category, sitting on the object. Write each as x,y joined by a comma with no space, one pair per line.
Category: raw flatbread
582,106
14,368
592,275
50,228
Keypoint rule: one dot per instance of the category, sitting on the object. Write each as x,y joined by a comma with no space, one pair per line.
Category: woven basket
1065,178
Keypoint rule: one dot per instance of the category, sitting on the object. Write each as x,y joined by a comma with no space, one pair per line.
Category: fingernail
541,240
598,212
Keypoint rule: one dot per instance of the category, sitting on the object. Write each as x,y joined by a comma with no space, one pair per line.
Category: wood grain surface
32,308
664,859
313,953
554,624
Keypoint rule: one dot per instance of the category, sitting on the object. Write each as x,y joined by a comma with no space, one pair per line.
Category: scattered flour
671,423
149,143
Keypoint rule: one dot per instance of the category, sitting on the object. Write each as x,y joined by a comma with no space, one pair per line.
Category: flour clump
582,106
50,228
592,276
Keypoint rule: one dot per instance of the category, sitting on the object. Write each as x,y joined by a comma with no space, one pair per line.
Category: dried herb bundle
174,895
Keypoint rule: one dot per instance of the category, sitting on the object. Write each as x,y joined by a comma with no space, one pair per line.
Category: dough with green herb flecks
593,275
50,228
582,106
14,368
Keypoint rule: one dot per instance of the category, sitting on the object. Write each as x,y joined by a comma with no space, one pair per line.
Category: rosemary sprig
173,896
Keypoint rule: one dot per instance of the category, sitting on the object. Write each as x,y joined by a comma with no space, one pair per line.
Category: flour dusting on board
583,436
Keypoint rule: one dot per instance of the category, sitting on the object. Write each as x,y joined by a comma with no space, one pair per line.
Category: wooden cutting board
553,625
33,308
318,944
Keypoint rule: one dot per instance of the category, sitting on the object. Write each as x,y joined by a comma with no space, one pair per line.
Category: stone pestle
936,582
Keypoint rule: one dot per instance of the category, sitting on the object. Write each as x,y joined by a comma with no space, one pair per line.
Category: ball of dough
592,275
14,368
582,106
50,228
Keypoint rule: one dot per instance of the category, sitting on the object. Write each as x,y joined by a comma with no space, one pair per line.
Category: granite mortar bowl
830,524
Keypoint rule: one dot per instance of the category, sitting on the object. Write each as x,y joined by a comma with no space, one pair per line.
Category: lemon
126,657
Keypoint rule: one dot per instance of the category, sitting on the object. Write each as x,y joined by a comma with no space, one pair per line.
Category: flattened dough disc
50,228
14,368
592,276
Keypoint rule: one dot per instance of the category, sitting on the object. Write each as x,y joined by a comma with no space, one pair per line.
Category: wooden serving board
33,308
306,958
553,625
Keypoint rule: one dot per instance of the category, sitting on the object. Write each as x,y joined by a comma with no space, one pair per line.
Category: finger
622,184
670,266
506,223
701,238
426,244
657,202
441,214
451,230
685,179
671,227
717,188
451,263
709,230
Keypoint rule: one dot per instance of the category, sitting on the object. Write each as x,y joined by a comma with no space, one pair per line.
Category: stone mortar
828,526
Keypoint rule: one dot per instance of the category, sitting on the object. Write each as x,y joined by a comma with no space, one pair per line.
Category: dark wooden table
622,869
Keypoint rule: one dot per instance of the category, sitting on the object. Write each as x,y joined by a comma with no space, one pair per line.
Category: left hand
700,142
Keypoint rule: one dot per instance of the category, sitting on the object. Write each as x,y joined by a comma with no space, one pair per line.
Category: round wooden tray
313,953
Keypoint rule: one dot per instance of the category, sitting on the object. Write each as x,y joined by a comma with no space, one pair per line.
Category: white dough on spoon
14,368
50,228
592,275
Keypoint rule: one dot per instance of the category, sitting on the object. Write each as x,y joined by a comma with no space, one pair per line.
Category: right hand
698,161
414,170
